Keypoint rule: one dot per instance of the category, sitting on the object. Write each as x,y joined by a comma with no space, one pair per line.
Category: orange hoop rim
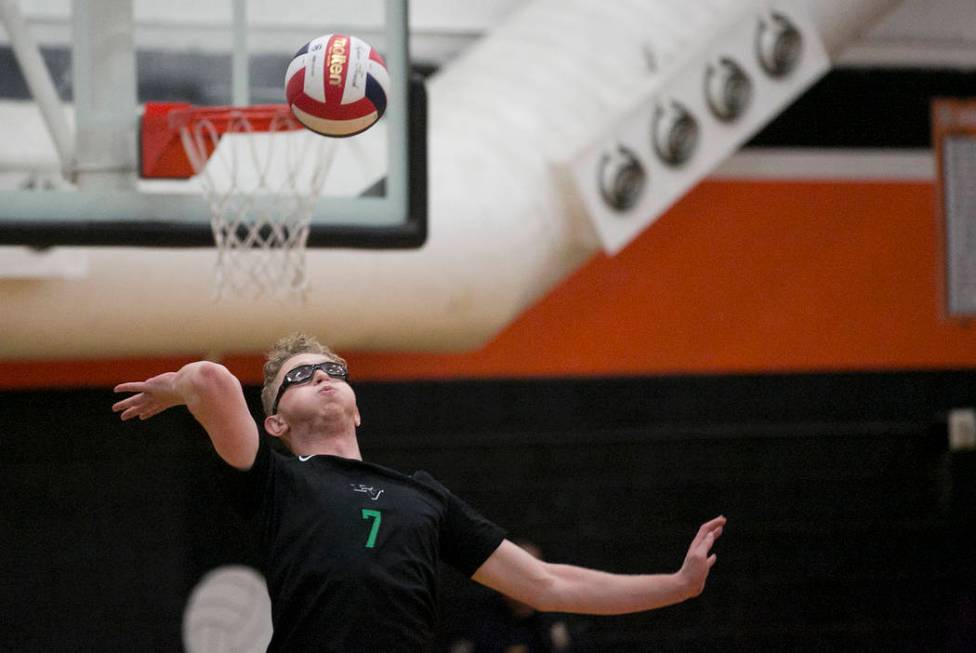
259,117
166,126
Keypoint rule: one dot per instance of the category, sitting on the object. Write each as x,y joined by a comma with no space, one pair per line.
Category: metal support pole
240,73
104,70
39,81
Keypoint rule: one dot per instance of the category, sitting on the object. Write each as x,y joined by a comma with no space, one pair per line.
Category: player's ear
275,426
359,420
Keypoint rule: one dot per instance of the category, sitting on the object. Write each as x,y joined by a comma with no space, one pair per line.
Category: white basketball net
262,188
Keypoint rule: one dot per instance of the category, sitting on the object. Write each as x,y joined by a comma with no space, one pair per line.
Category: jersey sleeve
467,538
251,486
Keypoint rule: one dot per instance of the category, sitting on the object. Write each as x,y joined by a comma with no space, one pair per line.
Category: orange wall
738,277
741,277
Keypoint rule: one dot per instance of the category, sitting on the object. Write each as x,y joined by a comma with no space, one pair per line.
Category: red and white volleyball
337,84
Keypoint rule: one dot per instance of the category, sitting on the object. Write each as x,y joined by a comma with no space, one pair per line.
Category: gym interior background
772,350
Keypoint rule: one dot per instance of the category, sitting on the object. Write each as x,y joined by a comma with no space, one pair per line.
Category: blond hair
281,351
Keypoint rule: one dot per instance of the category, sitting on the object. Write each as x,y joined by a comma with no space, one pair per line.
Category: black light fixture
779,45
728,90
622,178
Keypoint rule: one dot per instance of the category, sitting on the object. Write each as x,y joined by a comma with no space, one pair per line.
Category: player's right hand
153,396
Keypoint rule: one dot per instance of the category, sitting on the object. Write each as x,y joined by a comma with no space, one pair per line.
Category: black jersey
351,551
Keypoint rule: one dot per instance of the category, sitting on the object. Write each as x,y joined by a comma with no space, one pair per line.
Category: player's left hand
699,560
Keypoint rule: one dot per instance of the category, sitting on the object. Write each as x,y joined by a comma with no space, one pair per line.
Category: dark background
850,523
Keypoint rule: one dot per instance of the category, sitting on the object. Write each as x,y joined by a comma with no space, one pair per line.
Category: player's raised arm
212,394
566,588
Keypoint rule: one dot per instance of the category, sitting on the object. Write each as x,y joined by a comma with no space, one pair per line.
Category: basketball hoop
262,184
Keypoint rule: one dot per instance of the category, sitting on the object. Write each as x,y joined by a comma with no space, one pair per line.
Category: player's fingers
700,535
126,403
711,560
703,532
714,534
130,413
131,386
153,410
706,544
708,527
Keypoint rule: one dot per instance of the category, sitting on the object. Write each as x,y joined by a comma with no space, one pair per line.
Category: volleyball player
351,548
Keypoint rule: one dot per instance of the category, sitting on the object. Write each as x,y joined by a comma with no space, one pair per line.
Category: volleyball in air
337,84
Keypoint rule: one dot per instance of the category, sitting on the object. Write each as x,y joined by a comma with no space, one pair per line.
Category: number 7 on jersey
377,517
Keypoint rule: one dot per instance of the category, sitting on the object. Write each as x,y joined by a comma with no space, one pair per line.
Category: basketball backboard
81,72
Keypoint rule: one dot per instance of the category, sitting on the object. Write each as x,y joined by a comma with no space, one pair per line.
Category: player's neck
343,445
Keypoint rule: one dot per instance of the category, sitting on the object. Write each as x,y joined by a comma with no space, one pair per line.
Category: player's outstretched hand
699,561
152,397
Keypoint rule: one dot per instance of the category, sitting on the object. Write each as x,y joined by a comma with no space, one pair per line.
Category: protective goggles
304,373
